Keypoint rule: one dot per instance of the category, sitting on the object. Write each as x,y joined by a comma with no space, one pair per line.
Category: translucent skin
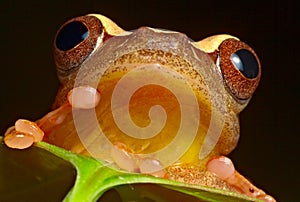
194,64
199,71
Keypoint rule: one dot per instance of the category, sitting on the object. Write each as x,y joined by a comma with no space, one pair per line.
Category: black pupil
245,62
71,35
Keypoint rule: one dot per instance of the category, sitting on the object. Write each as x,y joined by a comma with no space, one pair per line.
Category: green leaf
95,178
45,172
33,174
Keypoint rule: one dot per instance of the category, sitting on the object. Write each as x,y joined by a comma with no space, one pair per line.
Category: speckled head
161,93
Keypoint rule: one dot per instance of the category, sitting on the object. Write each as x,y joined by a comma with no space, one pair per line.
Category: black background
268,150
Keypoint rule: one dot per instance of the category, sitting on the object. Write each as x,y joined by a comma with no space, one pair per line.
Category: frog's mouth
154,86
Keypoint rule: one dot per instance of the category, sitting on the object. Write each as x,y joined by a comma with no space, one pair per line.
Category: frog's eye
75,41
240,67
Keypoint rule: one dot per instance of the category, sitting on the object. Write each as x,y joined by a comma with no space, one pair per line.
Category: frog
150,101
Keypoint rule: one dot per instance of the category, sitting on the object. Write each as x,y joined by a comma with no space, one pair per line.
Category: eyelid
212,43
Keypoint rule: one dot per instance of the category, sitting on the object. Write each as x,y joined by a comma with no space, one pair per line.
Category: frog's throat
183,64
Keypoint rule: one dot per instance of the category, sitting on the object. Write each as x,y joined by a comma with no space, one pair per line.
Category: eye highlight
245,62
240,68
71,35
75,41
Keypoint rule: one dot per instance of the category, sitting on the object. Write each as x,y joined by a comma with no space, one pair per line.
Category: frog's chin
153,93
157,155
151,109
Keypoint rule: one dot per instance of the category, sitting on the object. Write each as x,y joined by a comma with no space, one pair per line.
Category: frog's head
162,95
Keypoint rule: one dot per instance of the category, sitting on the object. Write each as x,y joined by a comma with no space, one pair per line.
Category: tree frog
150,101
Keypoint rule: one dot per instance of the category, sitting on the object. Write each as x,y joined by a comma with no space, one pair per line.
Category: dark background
268,150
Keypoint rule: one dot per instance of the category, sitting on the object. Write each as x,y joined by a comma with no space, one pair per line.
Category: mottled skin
185,66
109,53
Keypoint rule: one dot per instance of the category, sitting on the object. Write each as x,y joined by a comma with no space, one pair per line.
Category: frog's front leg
82,97
25,132
223,167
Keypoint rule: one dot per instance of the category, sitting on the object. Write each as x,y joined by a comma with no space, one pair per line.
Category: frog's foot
25,132
125,159
224,169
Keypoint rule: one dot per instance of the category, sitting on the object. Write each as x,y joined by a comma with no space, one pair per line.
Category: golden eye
75,41
240,67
